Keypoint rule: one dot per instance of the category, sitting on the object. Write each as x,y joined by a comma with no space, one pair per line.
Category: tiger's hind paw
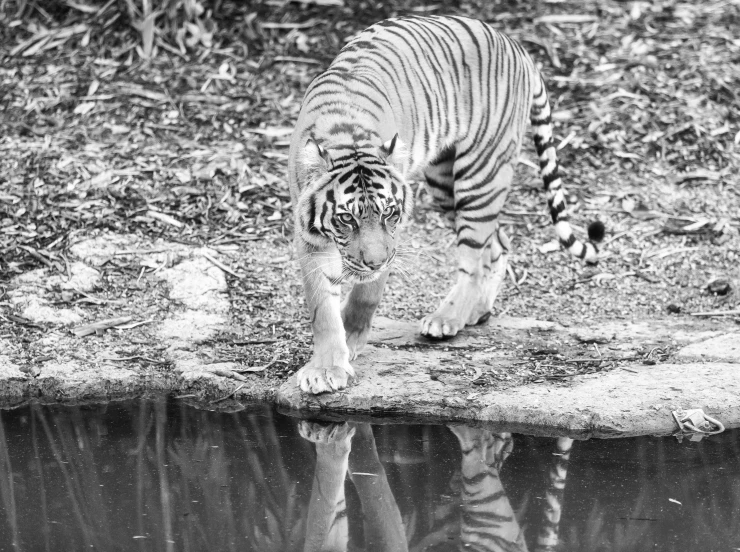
440,327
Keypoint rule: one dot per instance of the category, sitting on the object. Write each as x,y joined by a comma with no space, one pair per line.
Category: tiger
446,97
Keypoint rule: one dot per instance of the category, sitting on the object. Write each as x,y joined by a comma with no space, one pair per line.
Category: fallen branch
259,368
101,326
221,265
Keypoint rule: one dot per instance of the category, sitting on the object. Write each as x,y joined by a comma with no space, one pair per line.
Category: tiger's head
357,197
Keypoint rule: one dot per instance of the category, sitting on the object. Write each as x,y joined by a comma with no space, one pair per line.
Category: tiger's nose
374,265
374,260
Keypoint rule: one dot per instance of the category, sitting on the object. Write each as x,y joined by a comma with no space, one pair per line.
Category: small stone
31,369
719,286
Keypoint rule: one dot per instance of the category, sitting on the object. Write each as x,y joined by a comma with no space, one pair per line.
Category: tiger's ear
394,152
316,158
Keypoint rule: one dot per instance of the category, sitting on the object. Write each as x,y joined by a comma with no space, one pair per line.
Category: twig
304,25
221,265
229,395
139,251
36,255
511,275
135,324
602,359
294,59
88,329
259,368
135,357
641,274
556,19
717,313
162,217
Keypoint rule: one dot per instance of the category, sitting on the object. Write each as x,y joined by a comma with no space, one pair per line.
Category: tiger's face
358,199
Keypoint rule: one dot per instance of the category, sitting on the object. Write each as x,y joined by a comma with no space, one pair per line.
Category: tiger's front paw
325,373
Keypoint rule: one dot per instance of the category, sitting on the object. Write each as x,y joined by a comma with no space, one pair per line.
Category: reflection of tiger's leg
383,526
326,527
488,521
547,538
481,250
358,310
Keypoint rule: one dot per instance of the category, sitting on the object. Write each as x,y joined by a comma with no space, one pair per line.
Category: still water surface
164,476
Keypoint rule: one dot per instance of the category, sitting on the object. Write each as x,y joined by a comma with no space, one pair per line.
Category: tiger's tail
541,119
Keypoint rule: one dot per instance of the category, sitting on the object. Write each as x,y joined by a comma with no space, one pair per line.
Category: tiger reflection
487,521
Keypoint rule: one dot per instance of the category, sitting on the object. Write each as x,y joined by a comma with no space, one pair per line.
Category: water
160,476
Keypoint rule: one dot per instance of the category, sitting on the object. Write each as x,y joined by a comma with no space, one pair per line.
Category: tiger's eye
346,218
388,211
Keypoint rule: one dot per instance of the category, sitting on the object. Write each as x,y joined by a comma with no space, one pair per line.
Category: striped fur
448,98
548,535
488,522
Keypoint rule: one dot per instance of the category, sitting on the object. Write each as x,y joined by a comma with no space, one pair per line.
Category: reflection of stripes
547,538
487,520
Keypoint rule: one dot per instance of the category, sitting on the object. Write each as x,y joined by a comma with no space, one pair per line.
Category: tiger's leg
329,368
440,180
326,526
482,255
358,311
488,520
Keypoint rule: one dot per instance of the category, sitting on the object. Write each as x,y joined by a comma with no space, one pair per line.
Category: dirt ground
190,148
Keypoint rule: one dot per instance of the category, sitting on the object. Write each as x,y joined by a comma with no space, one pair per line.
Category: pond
165,476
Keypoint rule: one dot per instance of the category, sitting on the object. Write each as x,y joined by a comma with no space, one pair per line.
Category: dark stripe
433,183
472,244
567,243
538,122
550,178
482,218
555,211
498,495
